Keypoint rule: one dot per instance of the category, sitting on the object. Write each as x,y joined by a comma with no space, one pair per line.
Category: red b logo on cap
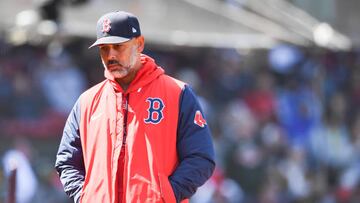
106,25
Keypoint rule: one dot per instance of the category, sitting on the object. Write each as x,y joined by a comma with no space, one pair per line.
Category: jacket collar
147,73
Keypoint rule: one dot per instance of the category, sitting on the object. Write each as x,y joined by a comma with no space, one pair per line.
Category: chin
118,75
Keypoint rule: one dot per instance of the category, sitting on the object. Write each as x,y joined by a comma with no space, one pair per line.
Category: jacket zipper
125,107
125,119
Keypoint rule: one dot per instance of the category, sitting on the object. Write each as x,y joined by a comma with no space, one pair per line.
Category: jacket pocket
166,190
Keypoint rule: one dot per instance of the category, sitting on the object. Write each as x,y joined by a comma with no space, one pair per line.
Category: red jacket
146,120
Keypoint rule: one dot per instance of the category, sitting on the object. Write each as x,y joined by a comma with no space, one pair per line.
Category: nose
112,53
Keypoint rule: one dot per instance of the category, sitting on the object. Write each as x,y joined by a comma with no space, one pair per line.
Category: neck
123,85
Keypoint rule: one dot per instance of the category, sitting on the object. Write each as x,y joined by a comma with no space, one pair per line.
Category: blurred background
279,81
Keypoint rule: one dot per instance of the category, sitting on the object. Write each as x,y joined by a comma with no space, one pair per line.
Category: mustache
114,62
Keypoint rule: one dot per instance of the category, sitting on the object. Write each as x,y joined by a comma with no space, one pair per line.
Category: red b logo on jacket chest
155,110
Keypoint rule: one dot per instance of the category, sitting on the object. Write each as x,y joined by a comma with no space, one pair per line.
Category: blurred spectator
26,181
298,110
330,142
219,189
294,170
6,90
262,99
60,80
283,58
246,165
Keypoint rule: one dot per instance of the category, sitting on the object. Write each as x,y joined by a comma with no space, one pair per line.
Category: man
138,136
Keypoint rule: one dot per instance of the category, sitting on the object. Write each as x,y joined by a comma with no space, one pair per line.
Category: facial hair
125,68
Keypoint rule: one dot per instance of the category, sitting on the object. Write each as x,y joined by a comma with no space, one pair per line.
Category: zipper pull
125,102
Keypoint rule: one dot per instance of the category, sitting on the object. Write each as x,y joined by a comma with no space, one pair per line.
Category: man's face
120,59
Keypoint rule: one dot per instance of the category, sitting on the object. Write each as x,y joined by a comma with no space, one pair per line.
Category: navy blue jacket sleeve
69,159
194,147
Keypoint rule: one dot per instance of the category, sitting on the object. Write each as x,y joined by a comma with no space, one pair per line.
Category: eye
104,48
116,46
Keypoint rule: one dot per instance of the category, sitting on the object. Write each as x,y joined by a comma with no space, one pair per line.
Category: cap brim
109,40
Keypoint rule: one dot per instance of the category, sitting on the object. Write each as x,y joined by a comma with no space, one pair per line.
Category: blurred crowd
285,121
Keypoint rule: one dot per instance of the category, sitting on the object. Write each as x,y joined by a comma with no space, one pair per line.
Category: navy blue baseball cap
116,27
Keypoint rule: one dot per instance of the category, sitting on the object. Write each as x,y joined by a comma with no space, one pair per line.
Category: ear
140,43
